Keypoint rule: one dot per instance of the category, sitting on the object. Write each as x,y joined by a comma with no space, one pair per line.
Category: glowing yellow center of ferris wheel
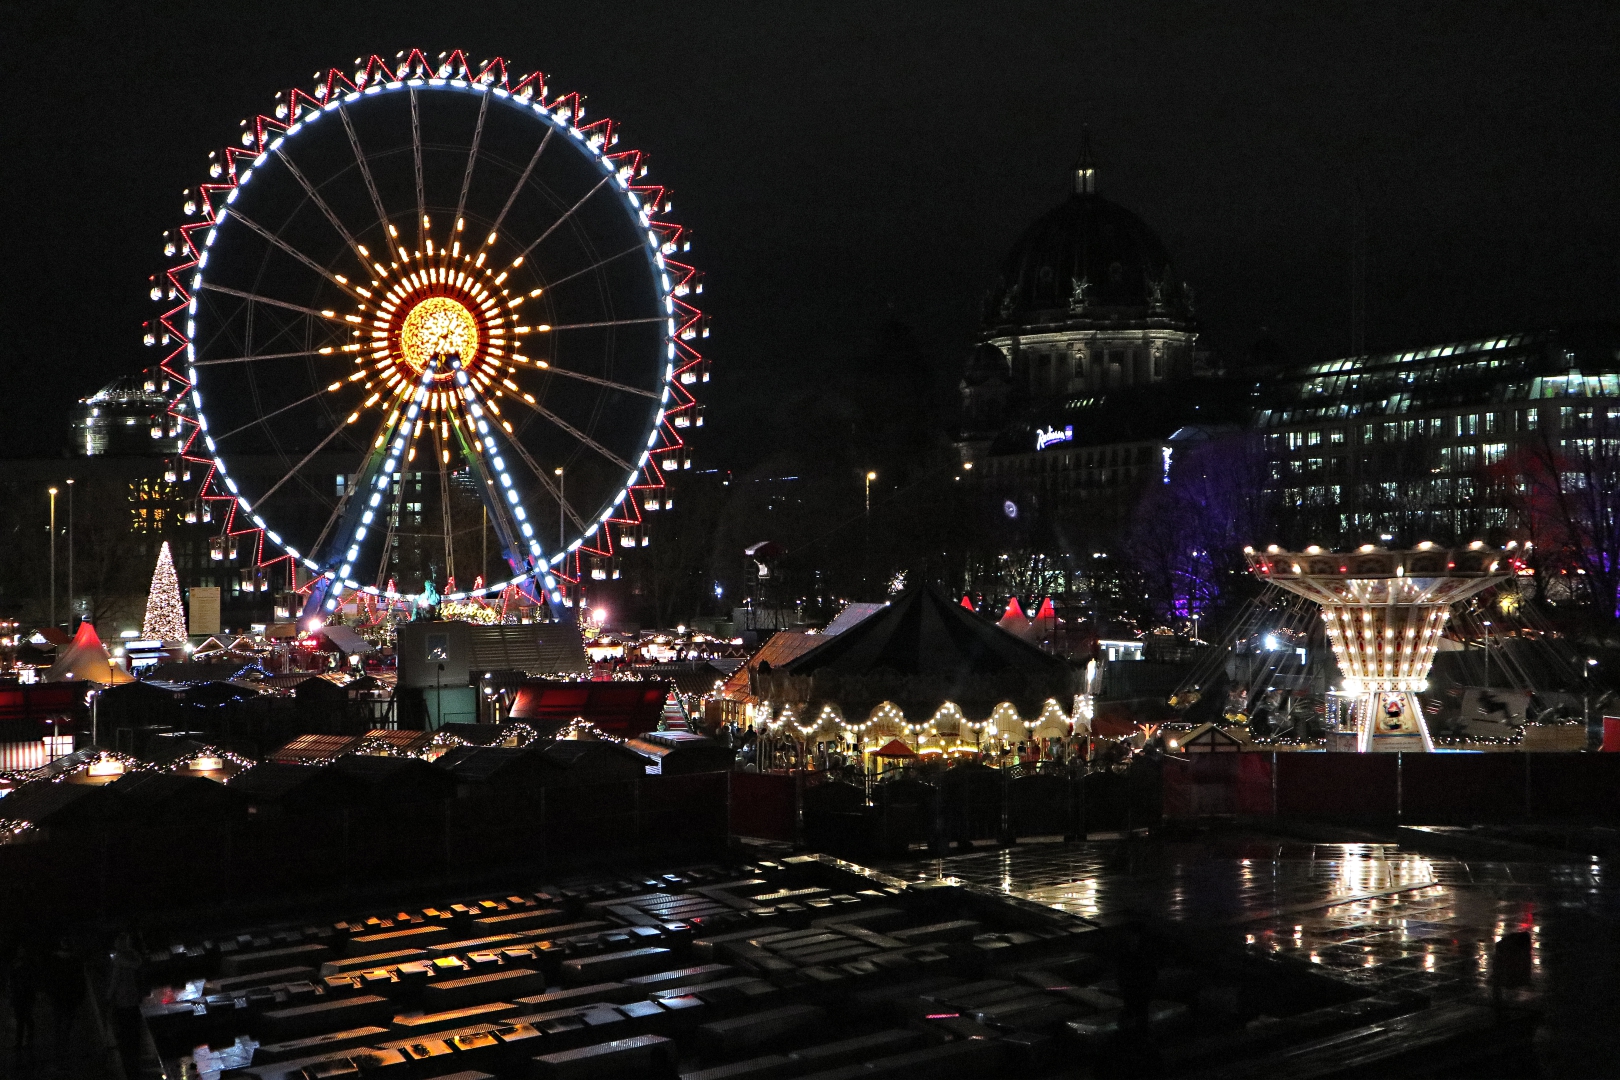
438,326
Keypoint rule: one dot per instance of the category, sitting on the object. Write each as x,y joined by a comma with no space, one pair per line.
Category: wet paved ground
1376,915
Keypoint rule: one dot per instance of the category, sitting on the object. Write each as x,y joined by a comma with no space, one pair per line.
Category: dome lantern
1085,173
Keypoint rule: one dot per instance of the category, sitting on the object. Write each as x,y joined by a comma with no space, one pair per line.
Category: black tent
920,652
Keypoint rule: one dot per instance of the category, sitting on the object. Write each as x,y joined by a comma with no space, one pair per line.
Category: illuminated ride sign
1052,436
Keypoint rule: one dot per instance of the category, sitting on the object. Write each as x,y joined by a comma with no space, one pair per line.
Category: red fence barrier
762,805
1429,789
1337,785
1462,789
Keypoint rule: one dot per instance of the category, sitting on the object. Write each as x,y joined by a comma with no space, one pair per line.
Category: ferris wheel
426,312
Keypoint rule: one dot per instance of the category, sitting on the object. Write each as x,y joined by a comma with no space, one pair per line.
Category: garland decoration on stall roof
12,829
1285,740
1479,740
516,734
182,764
50,773
165,616
580,726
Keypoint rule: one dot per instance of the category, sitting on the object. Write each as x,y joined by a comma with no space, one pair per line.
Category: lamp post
562,531
561,528
866,538
71,607
1586,702
53,556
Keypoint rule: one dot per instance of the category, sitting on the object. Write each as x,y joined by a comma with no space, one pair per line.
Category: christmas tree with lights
165,617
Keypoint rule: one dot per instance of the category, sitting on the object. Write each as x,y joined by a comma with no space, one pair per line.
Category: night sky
844,165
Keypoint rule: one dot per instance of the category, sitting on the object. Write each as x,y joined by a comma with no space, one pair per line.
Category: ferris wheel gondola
421,301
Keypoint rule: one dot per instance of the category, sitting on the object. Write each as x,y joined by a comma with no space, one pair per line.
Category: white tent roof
347,640
85,659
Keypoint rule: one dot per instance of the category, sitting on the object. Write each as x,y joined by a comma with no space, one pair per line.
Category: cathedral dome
1087,257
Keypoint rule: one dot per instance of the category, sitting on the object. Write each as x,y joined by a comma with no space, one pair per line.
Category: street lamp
1586,697
561,531
866,537
53,556
70,550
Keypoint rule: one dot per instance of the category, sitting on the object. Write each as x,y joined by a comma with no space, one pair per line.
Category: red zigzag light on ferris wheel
687,367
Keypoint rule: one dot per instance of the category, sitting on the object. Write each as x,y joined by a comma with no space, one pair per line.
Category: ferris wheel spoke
574,431
632,249
362,480
444,502
528,169
481,457
334,517
388,537
416,159
365,171
298,467
546,482
599,325
259,299
281,244
315,197
271,415
260,356
472,156
524,254
594,380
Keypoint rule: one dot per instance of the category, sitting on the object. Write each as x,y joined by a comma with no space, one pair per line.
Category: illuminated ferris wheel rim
470,314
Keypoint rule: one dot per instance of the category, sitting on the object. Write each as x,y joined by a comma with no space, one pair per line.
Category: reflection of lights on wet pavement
1371,914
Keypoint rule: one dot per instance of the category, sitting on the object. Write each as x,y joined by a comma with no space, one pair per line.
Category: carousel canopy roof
852,614
922,650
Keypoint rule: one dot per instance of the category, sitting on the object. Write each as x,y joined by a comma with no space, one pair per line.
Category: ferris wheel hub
435,327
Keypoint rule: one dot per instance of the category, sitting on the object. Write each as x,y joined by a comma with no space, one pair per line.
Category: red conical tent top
967,601
86,660
894,748
1047,611
86,638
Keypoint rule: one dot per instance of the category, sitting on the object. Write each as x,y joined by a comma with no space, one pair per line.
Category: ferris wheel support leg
387,456
317,597
483,457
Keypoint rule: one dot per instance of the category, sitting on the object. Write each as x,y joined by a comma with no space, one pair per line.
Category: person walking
24,985
64,985
124,1001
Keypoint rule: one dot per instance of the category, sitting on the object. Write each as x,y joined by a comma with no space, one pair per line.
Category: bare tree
1567,505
